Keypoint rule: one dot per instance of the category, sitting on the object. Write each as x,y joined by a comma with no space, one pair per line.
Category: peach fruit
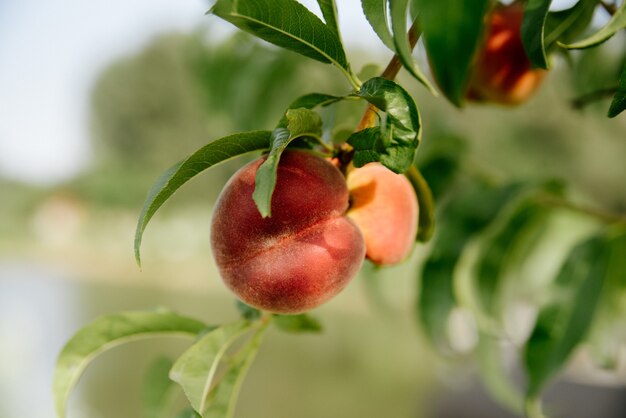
502,72
384,206
301,256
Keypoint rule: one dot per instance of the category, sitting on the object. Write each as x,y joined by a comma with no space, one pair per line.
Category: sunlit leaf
426,221
156,394
618,104
563,322
107,332
398,9
616,23
288,24
223,398
376,13
211,154
300,122
452,30
297,323
329,11
195,369
533,32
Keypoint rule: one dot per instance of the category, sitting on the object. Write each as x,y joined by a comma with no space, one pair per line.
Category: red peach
385,208
301,256
502,71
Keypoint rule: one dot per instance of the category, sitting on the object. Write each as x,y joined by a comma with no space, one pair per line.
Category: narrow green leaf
297,323
395,143
616,23
452,31
308,101
608,331
470,212
156,394
288,24
329,11
618,104
218,151
566,24
223,398
533,32
426,222
564,321
195,369
301,122
376,14
494,375
398,9
107,332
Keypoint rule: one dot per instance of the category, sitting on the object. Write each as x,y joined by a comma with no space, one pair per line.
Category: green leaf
452,31
301,122
608,331
563,323
376,14
156,394
297,323
398,10
195,369
616,23
223,398
439,162
566,24
618,104
188,413
288,24
107,332
471,211
395,143
308,101
494,376
426,222
533,32
218,151
247,311
329,11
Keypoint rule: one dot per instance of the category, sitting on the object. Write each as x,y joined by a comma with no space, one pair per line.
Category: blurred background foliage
152,108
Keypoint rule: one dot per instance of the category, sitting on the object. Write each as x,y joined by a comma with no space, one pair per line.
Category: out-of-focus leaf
218,151
439,161
156,393
564,25
426,221
247,311
494,376
618,104
608,332
467,215
288,24
376,13
452,30
223,398
308,101
188,413
195,369
300,122
297,323
563,323
107,332
393,144
617,22
329,11
533,32
398,10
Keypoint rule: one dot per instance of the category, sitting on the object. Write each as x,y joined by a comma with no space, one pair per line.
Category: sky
52,51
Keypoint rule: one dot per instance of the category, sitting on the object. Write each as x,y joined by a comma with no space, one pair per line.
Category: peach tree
294,226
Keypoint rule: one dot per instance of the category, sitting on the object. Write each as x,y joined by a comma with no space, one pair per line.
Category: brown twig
346,152
585,99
